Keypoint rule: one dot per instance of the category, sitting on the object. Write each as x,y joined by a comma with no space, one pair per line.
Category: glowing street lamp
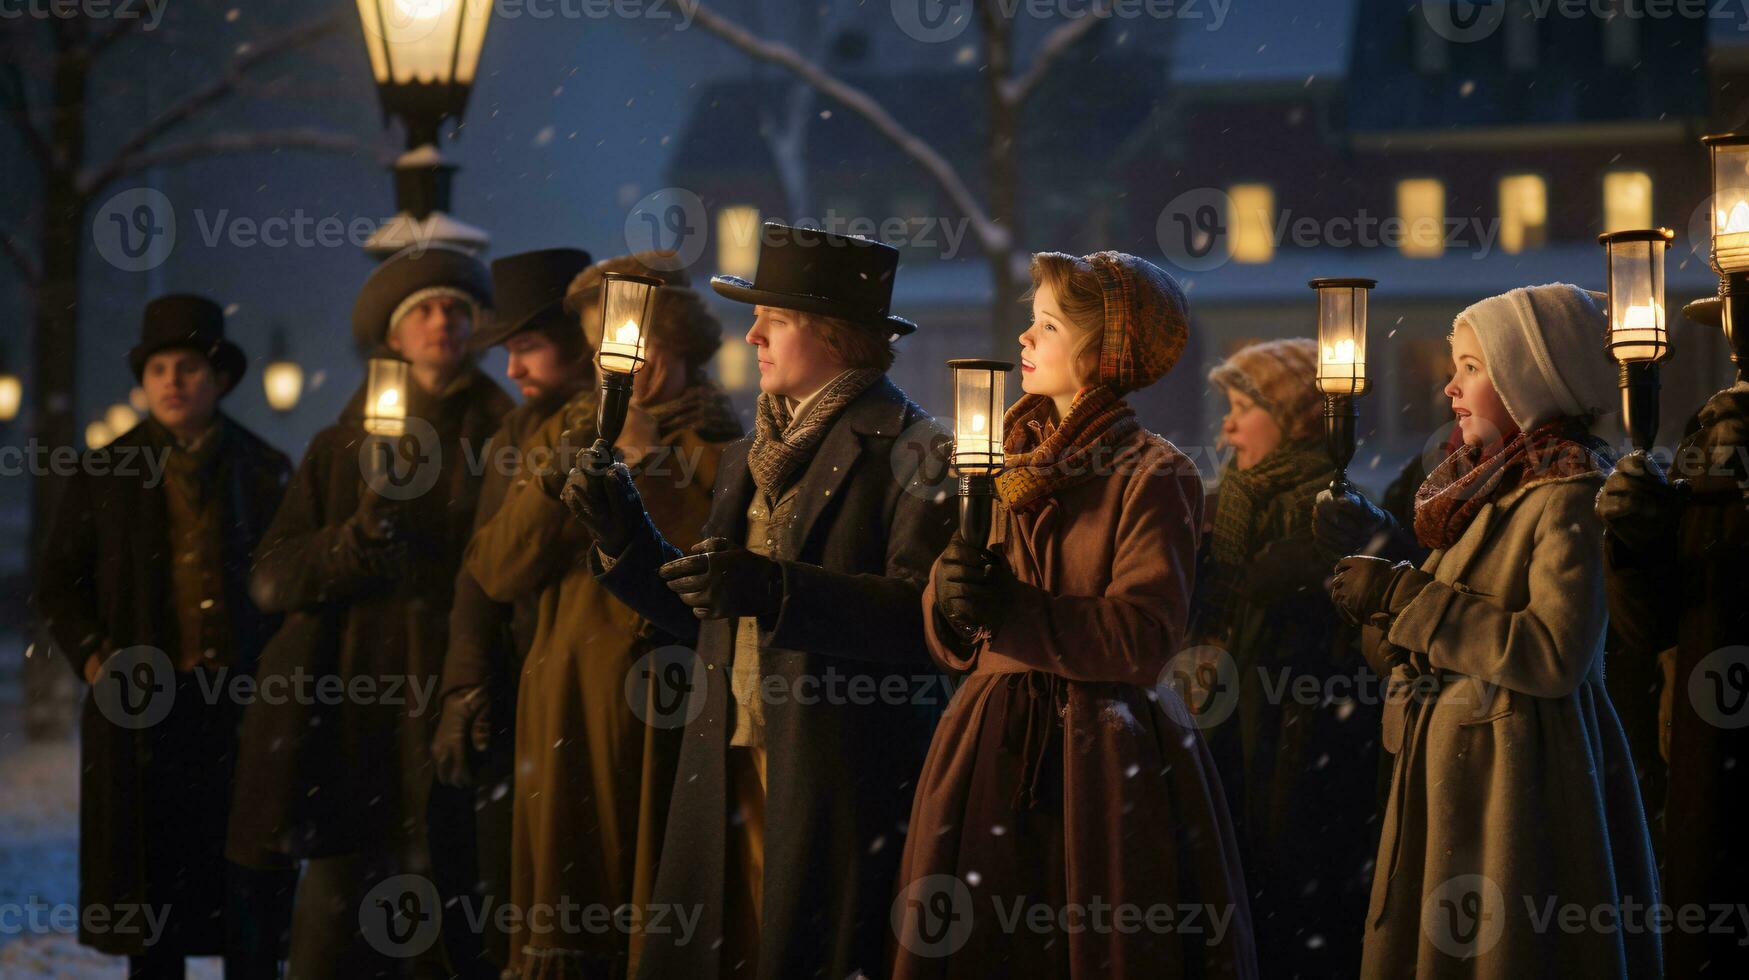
1637,339
978,408
1341,365
283,378
385,401
1730,245
628,303
11,390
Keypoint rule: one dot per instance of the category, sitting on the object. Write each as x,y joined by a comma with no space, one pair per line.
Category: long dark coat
104,582
872,516
320,778
1693,598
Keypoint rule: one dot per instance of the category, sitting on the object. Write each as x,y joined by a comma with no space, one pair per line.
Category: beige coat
1512,786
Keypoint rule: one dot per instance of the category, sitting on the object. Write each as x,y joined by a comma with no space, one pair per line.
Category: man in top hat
551,363
790,803
143,585
363,557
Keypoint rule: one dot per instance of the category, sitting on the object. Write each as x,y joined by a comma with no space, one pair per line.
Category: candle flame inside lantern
423,9
978,423
387,401
627,333
1734,221
1640,318
1342,353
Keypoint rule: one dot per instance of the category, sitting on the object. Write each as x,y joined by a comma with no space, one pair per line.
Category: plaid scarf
1458,488
781,449
1042,459
1284,482
703,408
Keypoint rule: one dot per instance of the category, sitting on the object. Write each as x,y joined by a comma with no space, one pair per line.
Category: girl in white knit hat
1513,843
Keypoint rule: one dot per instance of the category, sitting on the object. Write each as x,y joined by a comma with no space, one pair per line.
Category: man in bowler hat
789,807
143,585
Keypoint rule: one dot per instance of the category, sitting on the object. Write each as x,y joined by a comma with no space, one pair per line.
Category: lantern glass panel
626,305
11,396
1636,301
425,41
1730,188
978,410
385,412
1342,340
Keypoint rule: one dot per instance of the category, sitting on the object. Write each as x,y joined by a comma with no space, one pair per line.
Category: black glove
601,495
720,580
1639,506
1372,591
464,729
380,519
973,587
1349,524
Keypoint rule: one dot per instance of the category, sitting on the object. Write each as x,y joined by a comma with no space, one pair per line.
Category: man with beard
362,558
550,362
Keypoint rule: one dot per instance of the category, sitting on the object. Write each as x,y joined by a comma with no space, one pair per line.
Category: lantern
1637,337
120,418
1730,245
385,405
1341,365
978,408
11,391
283,378
628,303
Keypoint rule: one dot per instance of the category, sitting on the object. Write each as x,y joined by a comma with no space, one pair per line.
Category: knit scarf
1245,496
1457,489
703,408
780,450
1043,458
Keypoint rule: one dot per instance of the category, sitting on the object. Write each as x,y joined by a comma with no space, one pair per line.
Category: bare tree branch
1061,38
992,236
15,99
225,144
192,104
27,266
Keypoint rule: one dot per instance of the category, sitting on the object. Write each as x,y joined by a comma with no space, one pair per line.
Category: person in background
1513,788
1298,766
362,557
1060,775
143,585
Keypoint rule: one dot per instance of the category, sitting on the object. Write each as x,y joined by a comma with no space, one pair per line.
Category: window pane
1627,200
1524,212
1252,222
1421,207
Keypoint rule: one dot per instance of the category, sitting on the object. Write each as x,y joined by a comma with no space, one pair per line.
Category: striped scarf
1295,472
703,408
1457,489
1043,459
781,449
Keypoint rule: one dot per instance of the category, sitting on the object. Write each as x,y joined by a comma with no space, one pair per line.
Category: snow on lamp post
1637,338
978,407
628,302
1730,244
283,378
1341,365
424,55
385,399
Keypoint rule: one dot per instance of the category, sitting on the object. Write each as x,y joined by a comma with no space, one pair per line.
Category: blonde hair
1079,295
1281,376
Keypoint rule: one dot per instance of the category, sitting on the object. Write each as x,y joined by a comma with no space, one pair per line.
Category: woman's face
1249,429
1481,415
1047,351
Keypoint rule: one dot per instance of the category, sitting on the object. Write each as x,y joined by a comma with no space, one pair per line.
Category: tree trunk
1004,173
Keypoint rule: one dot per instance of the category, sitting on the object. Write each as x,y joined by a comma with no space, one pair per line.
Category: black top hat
415,269
818,272
186,322
529,288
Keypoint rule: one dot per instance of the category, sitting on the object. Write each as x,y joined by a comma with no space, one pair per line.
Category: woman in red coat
1068,821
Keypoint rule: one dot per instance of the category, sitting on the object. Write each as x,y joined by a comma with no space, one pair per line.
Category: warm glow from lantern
628,301
386,397
283,382
1636,294
978,402
98,434
120,418
11,396
425,41
1342,335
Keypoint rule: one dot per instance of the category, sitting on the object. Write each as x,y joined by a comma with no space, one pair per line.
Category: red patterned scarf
1455,492
1043,458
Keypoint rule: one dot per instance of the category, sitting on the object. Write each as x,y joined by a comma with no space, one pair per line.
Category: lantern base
1639,385
616,400
1341,417
977,501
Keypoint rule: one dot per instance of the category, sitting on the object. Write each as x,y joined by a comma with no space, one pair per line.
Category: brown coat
1512,787
1125,806
593,779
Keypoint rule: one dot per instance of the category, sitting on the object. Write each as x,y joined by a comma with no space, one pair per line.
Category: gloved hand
600,493
1639,506
720,580
464,729
1348,524
381,520
973,587
1724,422
1372,591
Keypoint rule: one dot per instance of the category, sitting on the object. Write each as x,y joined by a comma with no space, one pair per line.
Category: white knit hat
1545,351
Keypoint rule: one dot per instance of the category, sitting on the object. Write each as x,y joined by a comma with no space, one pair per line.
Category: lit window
738,240
1524,212
1252,222
1627,200
735,366
1421,208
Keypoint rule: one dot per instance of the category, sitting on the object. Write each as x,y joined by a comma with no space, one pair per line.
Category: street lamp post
1637,339
1341,366
424,55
